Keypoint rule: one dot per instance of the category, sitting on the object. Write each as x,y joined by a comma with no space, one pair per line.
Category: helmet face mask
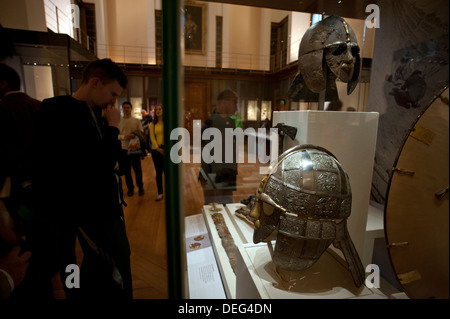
341,59
307,199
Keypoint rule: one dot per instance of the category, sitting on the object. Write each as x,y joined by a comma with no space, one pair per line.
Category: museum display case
351,136
367,81
246,269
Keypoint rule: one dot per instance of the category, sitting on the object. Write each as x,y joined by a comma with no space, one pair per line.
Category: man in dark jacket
17,114
78,189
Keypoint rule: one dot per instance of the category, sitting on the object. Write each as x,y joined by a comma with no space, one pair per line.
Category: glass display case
258,101
241,83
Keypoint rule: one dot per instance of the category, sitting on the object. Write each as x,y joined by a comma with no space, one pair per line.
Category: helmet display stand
351,137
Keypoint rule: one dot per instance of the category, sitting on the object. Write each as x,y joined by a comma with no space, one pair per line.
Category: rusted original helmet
307,196
328,50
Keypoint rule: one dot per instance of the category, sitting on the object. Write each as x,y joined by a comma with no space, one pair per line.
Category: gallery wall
409,69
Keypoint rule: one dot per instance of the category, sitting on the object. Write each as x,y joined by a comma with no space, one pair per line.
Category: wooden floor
146,228
145,221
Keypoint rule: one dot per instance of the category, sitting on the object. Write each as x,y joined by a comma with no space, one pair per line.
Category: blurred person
157,138
219,179
146,120
130,127
13,259
17,124
334,106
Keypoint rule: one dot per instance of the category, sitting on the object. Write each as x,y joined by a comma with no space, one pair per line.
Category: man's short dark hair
107,71
127,103
11,77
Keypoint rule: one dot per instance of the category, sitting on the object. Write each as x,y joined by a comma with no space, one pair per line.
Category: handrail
230,60
59,22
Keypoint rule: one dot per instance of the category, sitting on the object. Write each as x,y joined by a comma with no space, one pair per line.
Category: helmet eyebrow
266,199
335,44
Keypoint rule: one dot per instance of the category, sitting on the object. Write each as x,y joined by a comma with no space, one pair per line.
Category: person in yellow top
157,138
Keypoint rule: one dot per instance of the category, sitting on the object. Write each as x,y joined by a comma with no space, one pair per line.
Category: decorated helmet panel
307,198
310,182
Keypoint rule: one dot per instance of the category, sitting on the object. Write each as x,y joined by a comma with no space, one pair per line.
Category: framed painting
194,28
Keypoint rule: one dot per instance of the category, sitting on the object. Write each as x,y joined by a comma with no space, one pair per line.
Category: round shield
417,206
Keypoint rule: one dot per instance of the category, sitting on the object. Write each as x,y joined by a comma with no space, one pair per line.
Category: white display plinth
328,278
351,137
204,277
256,276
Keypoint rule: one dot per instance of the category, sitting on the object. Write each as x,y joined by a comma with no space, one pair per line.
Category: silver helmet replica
307,196
328,51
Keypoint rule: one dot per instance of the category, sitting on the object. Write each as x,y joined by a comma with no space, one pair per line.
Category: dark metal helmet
307,196
328,50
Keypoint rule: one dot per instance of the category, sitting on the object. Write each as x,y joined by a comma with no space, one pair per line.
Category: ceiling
345,8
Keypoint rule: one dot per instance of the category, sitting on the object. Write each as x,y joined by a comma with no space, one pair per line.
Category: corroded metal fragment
227,240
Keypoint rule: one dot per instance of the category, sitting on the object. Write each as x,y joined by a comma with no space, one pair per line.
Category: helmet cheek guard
313,70
307,198
266,213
